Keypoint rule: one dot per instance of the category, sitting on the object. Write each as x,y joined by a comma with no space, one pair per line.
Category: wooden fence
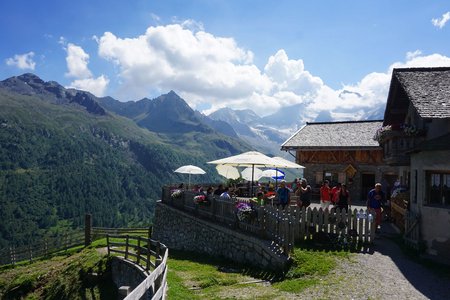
151,255
411,236
283,226
101,232
47,246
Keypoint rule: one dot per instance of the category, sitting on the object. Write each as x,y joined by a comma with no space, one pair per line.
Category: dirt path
383,272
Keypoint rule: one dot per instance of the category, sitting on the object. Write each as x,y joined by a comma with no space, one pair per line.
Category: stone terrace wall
181,231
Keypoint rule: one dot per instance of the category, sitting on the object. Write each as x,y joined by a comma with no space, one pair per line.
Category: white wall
435,225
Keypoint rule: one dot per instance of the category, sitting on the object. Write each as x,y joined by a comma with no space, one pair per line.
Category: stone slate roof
328,135
428,90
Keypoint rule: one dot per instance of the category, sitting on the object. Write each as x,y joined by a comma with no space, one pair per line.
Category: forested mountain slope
62,155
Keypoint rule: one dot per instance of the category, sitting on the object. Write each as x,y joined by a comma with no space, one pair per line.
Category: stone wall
126,273
181,231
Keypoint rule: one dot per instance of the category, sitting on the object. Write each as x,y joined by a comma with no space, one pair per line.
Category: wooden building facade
343,152
415,138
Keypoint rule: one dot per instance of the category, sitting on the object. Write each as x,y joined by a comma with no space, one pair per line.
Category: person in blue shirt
283,194
375,200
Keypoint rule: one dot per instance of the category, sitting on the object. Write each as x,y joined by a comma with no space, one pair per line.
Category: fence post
11,252
262,223
87,229
158,259
150,232
126,246
107,243
138,252
148,255
213,207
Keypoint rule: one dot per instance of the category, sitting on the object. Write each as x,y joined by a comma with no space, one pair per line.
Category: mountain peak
51,91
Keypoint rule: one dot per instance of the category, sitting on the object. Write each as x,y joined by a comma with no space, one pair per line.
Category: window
332,177
438,188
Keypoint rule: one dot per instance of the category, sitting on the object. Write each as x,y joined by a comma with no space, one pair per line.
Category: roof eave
328,148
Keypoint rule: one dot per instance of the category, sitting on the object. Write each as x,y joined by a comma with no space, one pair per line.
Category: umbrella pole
251,186
189,182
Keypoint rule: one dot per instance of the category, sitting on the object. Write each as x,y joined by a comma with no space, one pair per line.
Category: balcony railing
397,146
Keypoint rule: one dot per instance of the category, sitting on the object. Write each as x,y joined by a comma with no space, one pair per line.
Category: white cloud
77,62
440,22
411,54
173,57
96,86
22,61
214,72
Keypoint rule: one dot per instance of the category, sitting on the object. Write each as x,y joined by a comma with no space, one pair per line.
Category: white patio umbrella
273,173
229,172
248,159
284,163
189,169
251,174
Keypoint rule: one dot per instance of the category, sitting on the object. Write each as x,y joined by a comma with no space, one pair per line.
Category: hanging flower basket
382,132
176,194
244,212
201,200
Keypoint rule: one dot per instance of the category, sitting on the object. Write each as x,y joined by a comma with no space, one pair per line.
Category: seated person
219,190
259,199
209,193
225,195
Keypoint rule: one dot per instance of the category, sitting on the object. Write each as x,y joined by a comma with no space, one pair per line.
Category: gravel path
381,273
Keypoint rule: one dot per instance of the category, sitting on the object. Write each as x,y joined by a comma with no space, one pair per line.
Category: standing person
304,193
344,198
283,194
375,200
295,185
325,195
219,190
335,193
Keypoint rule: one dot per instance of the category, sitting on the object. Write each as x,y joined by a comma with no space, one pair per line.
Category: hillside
62,155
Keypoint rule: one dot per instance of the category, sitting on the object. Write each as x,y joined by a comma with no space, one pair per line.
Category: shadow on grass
227,266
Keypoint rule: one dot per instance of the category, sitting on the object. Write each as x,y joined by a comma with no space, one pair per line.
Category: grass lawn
194,276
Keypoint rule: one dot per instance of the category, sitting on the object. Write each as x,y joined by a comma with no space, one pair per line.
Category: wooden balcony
397,147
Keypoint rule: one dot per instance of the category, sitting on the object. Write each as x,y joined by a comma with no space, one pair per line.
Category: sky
328,55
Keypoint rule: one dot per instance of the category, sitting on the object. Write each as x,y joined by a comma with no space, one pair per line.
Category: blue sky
241,54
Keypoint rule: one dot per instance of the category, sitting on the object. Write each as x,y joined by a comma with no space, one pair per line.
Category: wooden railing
150,255
101,232
47,246
283,226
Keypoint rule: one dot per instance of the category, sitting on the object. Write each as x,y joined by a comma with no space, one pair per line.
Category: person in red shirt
335,193
325,195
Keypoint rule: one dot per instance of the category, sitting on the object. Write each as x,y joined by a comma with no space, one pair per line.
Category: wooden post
213,207
158,259
150,232
261,217
11,261
138,252
148,255
107,243
87,229
126,246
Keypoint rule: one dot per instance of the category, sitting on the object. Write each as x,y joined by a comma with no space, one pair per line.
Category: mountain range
65,152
